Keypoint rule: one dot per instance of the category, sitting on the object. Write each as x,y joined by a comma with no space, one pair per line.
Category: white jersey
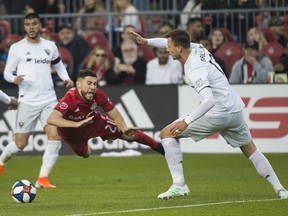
169,73
34,61
202,71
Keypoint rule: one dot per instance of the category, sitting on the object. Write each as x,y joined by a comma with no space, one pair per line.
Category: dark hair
86,72
179,37
32,16
193,20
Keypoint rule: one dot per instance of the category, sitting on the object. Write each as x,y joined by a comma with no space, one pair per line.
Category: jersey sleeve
103,100
11,65
65,104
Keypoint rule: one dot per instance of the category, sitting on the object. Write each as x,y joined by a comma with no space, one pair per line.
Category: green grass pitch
220,185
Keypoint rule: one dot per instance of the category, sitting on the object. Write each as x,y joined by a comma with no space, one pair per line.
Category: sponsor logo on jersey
42,61
29,59
47,52
63,105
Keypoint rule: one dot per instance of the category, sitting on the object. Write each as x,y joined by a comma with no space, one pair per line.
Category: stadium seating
273,50
228,34
268,34
66,58
96,39
229,53
145,52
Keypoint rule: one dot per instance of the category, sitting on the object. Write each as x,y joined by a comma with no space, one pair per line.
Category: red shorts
77,138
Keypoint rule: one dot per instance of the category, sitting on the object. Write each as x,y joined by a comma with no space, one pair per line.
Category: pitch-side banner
266,112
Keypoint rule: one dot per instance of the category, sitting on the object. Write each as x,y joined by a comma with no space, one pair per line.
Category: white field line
174,207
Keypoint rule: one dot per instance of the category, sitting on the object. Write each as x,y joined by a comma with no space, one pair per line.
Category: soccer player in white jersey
31,59
9,100
220,111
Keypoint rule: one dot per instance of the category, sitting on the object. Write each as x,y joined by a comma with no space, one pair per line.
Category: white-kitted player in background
31,59
9,100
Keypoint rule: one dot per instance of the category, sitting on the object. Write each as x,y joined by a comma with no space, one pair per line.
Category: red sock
142,138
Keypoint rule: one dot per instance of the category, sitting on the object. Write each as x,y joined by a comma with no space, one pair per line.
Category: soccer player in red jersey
78,121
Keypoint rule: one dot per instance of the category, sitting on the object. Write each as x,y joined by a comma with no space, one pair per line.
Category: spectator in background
5,47
163,69
130,69
195,29
277,26
217,38
87,24
282,65
192,9
126,17
125,35
207,43
240,22
256,35
77,46
163,29
252,68
99,63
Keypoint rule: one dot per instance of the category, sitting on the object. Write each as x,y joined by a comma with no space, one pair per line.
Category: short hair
179,37
86,72
32,16
193,20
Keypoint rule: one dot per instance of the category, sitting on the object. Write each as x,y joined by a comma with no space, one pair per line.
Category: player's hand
178,127
85,122
130,131
13,104
139,38
18,79
69,83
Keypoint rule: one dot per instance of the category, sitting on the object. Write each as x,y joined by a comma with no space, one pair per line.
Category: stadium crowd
83,39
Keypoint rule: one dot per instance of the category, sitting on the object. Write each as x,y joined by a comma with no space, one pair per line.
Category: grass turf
220,184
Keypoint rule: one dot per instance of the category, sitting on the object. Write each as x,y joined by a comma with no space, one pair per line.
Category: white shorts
27,116
232,128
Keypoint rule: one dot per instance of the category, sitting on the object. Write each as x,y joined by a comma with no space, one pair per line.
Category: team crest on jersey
21,124
198,83
93,106
47,52
63,105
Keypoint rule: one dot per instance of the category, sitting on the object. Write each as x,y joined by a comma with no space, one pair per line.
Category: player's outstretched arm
155,42
56,119
139,38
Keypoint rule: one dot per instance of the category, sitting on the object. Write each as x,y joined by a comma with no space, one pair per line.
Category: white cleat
283,194
175,191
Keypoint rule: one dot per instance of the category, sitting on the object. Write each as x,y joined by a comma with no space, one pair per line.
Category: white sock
264,169
174,159
10,150
49,157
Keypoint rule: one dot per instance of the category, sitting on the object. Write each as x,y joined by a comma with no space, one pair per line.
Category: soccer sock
141,137
174,159
10,150
49,157
264,169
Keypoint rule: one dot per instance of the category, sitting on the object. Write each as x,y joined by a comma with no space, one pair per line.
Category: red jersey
73,107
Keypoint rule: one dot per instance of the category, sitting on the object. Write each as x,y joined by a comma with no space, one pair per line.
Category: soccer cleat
1,169
283,194
175,191
43,182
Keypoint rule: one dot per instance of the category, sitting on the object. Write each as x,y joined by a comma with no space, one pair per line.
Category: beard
130,59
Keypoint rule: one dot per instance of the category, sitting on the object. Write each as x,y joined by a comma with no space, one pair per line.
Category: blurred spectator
217,38
77,46
163,69
131,69
163,29
125,35
5,47
277,26
239,22
253,67
126,17
207,43
195,29
256,35
87,24
191,10
99,63
47,34
282,65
